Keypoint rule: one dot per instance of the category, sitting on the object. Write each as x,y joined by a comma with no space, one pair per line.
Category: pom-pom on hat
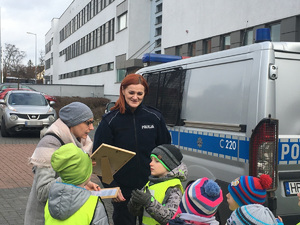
201,198
75,113
168,155
250,190
252,214
72,164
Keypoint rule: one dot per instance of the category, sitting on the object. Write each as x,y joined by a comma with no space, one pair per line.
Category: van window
165,93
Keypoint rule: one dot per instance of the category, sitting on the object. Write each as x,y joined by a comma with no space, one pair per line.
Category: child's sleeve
162,213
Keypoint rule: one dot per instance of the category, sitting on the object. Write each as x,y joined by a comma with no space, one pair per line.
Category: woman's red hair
128,80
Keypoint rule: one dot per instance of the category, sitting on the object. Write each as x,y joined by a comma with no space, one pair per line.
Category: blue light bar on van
152,57
262,34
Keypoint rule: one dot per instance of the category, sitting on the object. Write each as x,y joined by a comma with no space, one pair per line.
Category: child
160,197
247,190
255,214
69,202
199,203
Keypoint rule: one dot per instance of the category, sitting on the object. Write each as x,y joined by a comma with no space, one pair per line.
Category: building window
248,37
275,32
178,50
225,42
158,43
110,66
159,8
121,73
111,30
207,46
158,20
158,31
122,21
192,49
99,69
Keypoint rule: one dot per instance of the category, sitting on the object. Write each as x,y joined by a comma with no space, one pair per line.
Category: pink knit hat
201,198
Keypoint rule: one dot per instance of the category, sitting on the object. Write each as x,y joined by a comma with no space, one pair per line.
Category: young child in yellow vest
158,201
69,202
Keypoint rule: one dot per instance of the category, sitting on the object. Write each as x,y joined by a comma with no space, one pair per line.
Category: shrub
97,105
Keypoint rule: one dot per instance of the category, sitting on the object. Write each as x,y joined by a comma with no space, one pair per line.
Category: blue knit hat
250,190
75,113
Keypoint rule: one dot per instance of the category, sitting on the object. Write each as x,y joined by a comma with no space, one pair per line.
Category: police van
235,112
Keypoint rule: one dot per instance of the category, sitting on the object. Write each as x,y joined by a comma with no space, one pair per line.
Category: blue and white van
236,112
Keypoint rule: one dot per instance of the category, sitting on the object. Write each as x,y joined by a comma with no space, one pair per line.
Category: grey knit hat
252,214
75,113
169,155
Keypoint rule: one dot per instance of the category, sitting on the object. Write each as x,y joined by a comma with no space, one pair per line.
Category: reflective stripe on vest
82,216
158,191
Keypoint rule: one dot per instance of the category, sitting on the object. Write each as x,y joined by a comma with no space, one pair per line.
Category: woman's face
83,129
134,95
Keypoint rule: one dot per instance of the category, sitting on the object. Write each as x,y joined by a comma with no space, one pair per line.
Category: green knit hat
72,164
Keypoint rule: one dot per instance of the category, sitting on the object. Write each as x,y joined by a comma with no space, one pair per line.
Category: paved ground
16,179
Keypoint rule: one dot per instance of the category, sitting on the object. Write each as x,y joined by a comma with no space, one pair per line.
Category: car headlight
50,110
13,117
51,118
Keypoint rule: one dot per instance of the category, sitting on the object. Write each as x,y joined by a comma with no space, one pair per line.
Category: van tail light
263,154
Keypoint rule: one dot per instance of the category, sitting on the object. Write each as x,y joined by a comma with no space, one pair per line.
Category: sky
21,16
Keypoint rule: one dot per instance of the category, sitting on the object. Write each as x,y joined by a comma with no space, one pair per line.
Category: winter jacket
191,219
140,132
163,212
74,205
45,176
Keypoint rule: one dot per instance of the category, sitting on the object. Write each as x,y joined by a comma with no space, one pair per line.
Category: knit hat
201,198
168,155
255,214
250,190
75,113
72,164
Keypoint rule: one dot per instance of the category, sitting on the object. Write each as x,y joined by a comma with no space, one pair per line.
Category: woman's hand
120,197
91,186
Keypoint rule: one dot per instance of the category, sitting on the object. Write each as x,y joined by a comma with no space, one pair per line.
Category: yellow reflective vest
158,191
82,216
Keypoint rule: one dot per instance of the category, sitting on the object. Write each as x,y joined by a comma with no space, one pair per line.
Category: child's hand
140,197
279,220
91,186
120,197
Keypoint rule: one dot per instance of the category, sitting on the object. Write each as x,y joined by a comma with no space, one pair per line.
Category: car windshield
27,99
3,87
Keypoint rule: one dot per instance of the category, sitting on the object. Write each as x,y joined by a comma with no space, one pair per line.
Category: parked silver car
25,110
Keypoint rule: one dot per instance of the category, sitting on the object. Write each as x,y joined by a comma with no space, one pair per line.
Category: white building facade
98,42
196,27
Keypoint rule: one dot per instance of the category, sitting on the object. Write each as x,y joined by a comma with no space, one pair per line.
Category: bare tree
40,67
30,73
12,61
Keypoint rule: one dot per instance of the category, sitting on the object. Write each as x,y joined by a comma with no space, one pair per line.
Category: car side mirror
50,103
109,106
2,101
